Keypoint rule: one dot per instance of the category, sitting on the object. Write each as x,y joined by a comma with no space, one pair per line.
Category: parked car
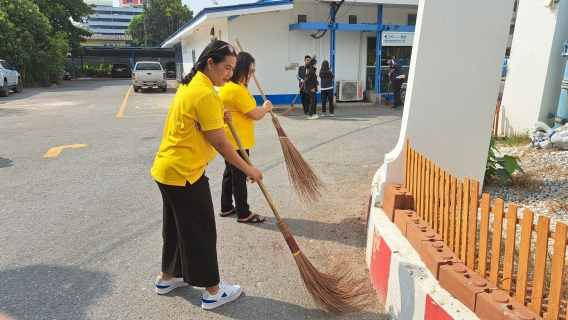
171,69
120,70
148,74
9,79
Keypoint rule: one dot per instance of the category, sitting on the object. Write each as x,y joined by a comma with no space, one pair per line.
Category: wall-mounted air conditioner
349,90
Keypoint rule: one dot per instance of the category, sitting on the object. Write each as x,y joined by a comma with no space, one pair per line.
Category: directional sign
54,152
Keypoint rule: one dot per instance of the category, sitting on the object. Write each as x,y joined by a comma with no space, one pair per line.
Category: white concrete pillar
455,71
535,67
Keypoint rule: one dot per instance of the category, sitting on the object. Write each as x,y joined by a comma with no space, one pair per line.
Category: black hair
313,61
213,51
307,56
244,59
324,69
388,58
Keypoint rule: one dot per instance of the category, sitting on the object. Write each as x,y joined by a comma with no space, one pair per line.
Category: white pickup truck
148,74
9,79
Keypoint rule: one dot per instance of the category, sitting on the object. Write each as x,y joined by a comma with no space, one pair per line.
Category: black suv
171,69
120,70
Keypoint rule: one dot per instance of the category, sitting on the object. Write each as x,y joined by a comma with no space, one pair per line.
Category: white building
280,33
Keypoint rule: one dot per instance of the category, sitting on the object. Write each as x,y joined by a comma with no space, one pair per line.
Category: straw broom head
286,112
307,184
336,292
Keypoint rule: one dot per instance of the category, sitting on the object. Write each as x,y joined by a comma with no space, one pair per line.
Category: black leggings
313,102
189,233
327,95
235,184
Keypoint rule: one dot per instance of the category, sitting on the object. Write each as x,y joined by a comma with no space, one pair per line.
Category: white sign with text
403,39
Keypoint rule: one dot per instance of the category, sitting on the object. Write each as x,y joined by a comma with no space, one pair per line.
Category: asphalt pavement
80,215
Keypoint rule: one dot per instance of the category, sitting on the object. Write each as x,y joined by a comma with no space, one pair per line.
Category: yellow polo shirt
185,151
238,100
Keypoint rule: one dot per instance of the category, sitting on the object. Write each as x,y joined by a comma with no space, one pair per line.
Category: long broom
307,184
336,292
288,110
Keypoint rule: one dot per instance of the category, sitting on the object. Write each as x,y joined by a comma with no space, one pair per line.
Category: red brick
403,218
389,210
497,305
463,283
417,233
436,254
409,199
395,196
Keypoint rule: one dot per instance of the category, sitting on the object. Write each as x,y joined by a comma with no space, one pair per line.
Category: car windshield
148,66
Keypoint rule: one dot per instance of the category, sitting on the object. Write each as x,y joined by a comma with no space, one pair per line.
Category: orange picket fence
527,260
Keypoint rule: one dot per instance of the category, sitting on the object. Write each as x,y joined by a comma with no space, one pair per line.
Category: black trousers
235,184
305,97
313,102
396,85
189,233
327,95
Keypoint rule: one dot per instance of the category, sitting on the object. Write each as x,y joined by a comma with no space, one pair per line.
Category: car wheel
164,89
403,95
4,92
19,87
137,89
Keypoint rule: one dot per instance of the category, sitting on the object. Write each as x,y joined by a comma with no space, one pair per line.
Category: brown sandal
228,213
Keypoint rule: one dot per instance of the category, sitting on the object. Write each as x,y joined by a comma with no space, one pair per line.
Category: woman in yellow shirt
193,134
238,100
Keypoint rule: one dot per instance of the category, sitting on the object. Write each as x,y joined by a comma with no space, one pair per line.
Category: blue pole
562,112
332,43
73,74
133,59
379,48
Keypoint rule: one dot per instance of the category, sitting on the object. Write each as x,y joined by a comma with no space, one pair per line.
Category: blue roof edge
258,4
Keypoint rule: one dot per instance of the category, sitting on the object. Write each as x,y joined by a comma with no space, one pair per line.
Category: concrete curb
403,283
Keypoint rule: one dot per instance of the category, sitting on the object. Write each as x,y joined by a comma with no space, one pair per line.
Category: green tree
27,41
61,15
151,29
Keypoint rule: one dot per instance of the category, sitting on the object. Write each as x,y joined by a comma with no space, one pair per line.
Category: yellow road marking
92,106
54,152
121,111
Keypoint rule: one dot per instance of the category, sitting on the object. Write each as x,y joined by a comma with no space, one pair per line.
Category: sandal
254,218
228,213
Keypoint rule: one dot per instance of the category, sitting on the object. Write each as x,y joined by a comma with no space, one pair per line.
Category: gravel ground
544,188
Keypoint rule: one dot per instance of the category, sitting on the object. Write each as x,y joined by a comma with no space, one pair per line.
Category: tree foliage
151,29
61,15
28,41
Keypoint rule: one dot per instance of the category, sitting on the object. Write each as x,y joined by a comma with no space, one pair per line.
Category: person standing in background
396,78
302,73
311,88
326,76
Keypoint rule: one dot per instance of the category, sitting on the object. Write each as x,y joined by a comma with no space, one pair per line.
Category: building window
193,55
411,19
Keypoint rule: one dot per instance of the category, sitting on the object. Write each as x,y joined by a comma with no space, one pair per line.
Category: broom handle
256,81
249,161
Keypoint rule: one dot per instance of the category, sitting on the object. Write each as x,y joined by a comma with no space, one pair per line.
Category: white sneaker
332,115
163,287
314,117
323,114
225,294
